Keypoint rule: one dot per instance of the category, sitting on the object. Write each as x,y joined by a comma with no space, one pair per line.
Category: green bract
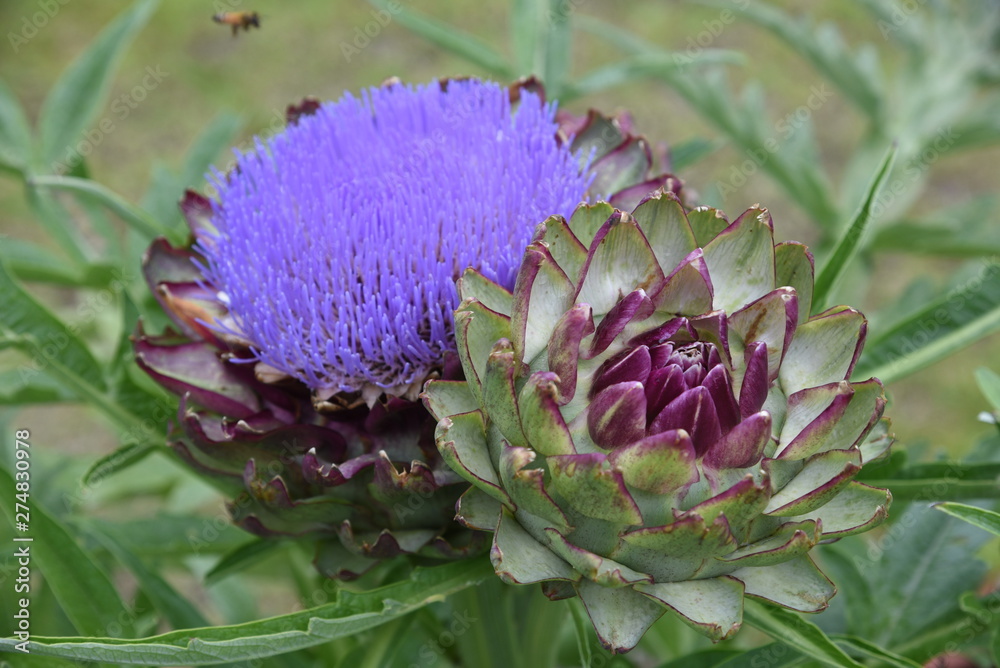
652,420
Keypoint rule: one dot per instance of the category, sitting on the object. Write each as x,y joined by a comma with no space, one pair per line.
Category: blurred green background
300,50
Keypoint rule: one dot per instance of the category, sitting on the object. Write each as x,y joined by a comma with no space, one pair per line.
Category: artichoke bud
653,419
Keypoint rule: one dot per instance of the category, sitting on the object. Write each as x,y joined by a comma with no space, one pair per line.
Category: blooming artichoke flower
653,421
317,295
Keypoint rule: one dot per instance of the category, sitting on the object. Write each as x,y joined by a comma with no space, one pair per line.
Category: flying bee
238,20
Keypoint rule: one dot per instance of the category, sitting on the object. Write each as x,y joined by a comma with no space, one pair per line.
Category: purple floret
341,238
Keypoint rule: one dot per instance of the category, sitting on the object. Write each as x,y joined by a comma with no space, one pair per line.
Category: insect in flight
238,20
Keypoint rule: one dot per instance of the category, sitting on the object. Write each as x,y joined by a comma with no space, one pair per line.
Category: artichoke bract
652,420
316,297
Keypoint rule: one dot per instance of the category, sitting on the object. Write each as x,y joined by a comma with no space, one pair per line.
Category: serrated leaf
792,630
852,240
83,590
979,517
351,613
78,96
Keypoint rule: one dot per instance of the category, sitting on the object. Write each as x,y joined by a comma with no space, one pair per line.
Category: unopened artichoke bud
318,291
652,420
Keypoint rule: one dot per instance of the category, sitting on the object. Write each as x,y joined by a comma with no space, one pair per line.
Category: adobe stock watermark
900,14
277,122
561,13
121,108
363,35
711,30
784,128
931,326
32,24
50,344
917,165
432,650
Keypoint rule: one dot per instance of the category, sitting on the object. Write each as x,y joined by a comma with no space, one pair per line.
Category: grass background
299,50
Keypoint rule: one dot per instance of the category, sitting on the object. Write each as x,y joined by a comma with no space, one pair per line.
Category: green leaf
116,461
31,262
175,608
451,39
984,519
525,21
15,132
83,590
492,639
802,636
173,536
852,240
59,224
872,650
939,481
840,563
51,341
78,96
581,630
166,188
32,661
706,658
242,557
130,214
772,655
558,43
938,240
918,577
989,384
826,51
745,124
39,389
351,613
642,66
686,153
943,326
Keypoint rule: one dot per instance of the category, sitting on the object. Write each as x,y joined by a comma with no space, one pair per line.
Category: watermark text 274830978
22,551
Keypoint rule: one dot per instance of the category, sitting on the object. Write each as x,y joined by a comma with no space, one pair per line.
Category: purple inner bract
339,240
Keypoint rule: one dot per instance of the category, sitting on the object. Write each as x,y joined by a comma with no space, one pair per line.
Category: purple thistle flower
338,241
